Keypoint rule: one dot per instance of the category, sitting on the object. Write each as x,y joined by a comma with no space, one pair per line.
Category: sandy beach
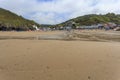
32,59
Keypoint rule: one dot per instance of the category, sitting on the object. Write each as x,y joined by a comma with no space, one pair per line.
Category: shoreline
86,35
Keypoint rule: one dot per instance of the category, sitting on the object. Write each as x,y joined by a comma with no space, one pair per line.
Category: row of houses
106,26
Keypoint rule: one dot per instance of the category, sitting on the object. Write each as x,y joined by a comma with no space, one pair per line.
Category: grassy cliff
92,19
10,21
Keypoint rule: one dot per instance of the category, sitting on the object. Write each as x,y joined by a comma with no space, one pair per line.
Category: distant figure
107,27
100,26
73,25
70,26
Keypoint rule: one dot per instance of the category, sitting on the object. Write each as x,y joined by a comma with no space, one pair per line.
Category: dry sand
57,60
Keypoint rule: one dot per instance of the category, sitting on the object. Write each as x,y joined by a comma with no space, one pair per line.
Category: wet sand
57,60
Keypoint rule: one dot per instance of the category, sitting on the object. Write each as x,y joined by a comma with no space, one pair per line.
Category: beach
24,57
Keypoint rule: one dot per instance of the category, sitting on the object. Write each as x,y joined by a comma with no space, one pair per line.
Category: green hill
92,19
11,21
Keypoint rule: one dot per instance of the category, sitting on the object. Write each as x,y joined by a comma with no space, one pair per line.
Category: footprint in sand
47,67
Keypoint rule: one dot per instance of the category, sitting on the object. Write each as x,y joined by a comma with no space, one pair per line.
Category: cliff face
11,21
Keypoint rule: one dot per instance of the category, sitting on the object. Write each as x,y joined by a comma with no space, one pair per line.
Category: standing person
73,25
107,27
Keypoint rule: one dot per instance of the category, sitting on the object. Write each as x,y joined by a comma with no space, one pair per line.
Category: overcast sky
57,11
